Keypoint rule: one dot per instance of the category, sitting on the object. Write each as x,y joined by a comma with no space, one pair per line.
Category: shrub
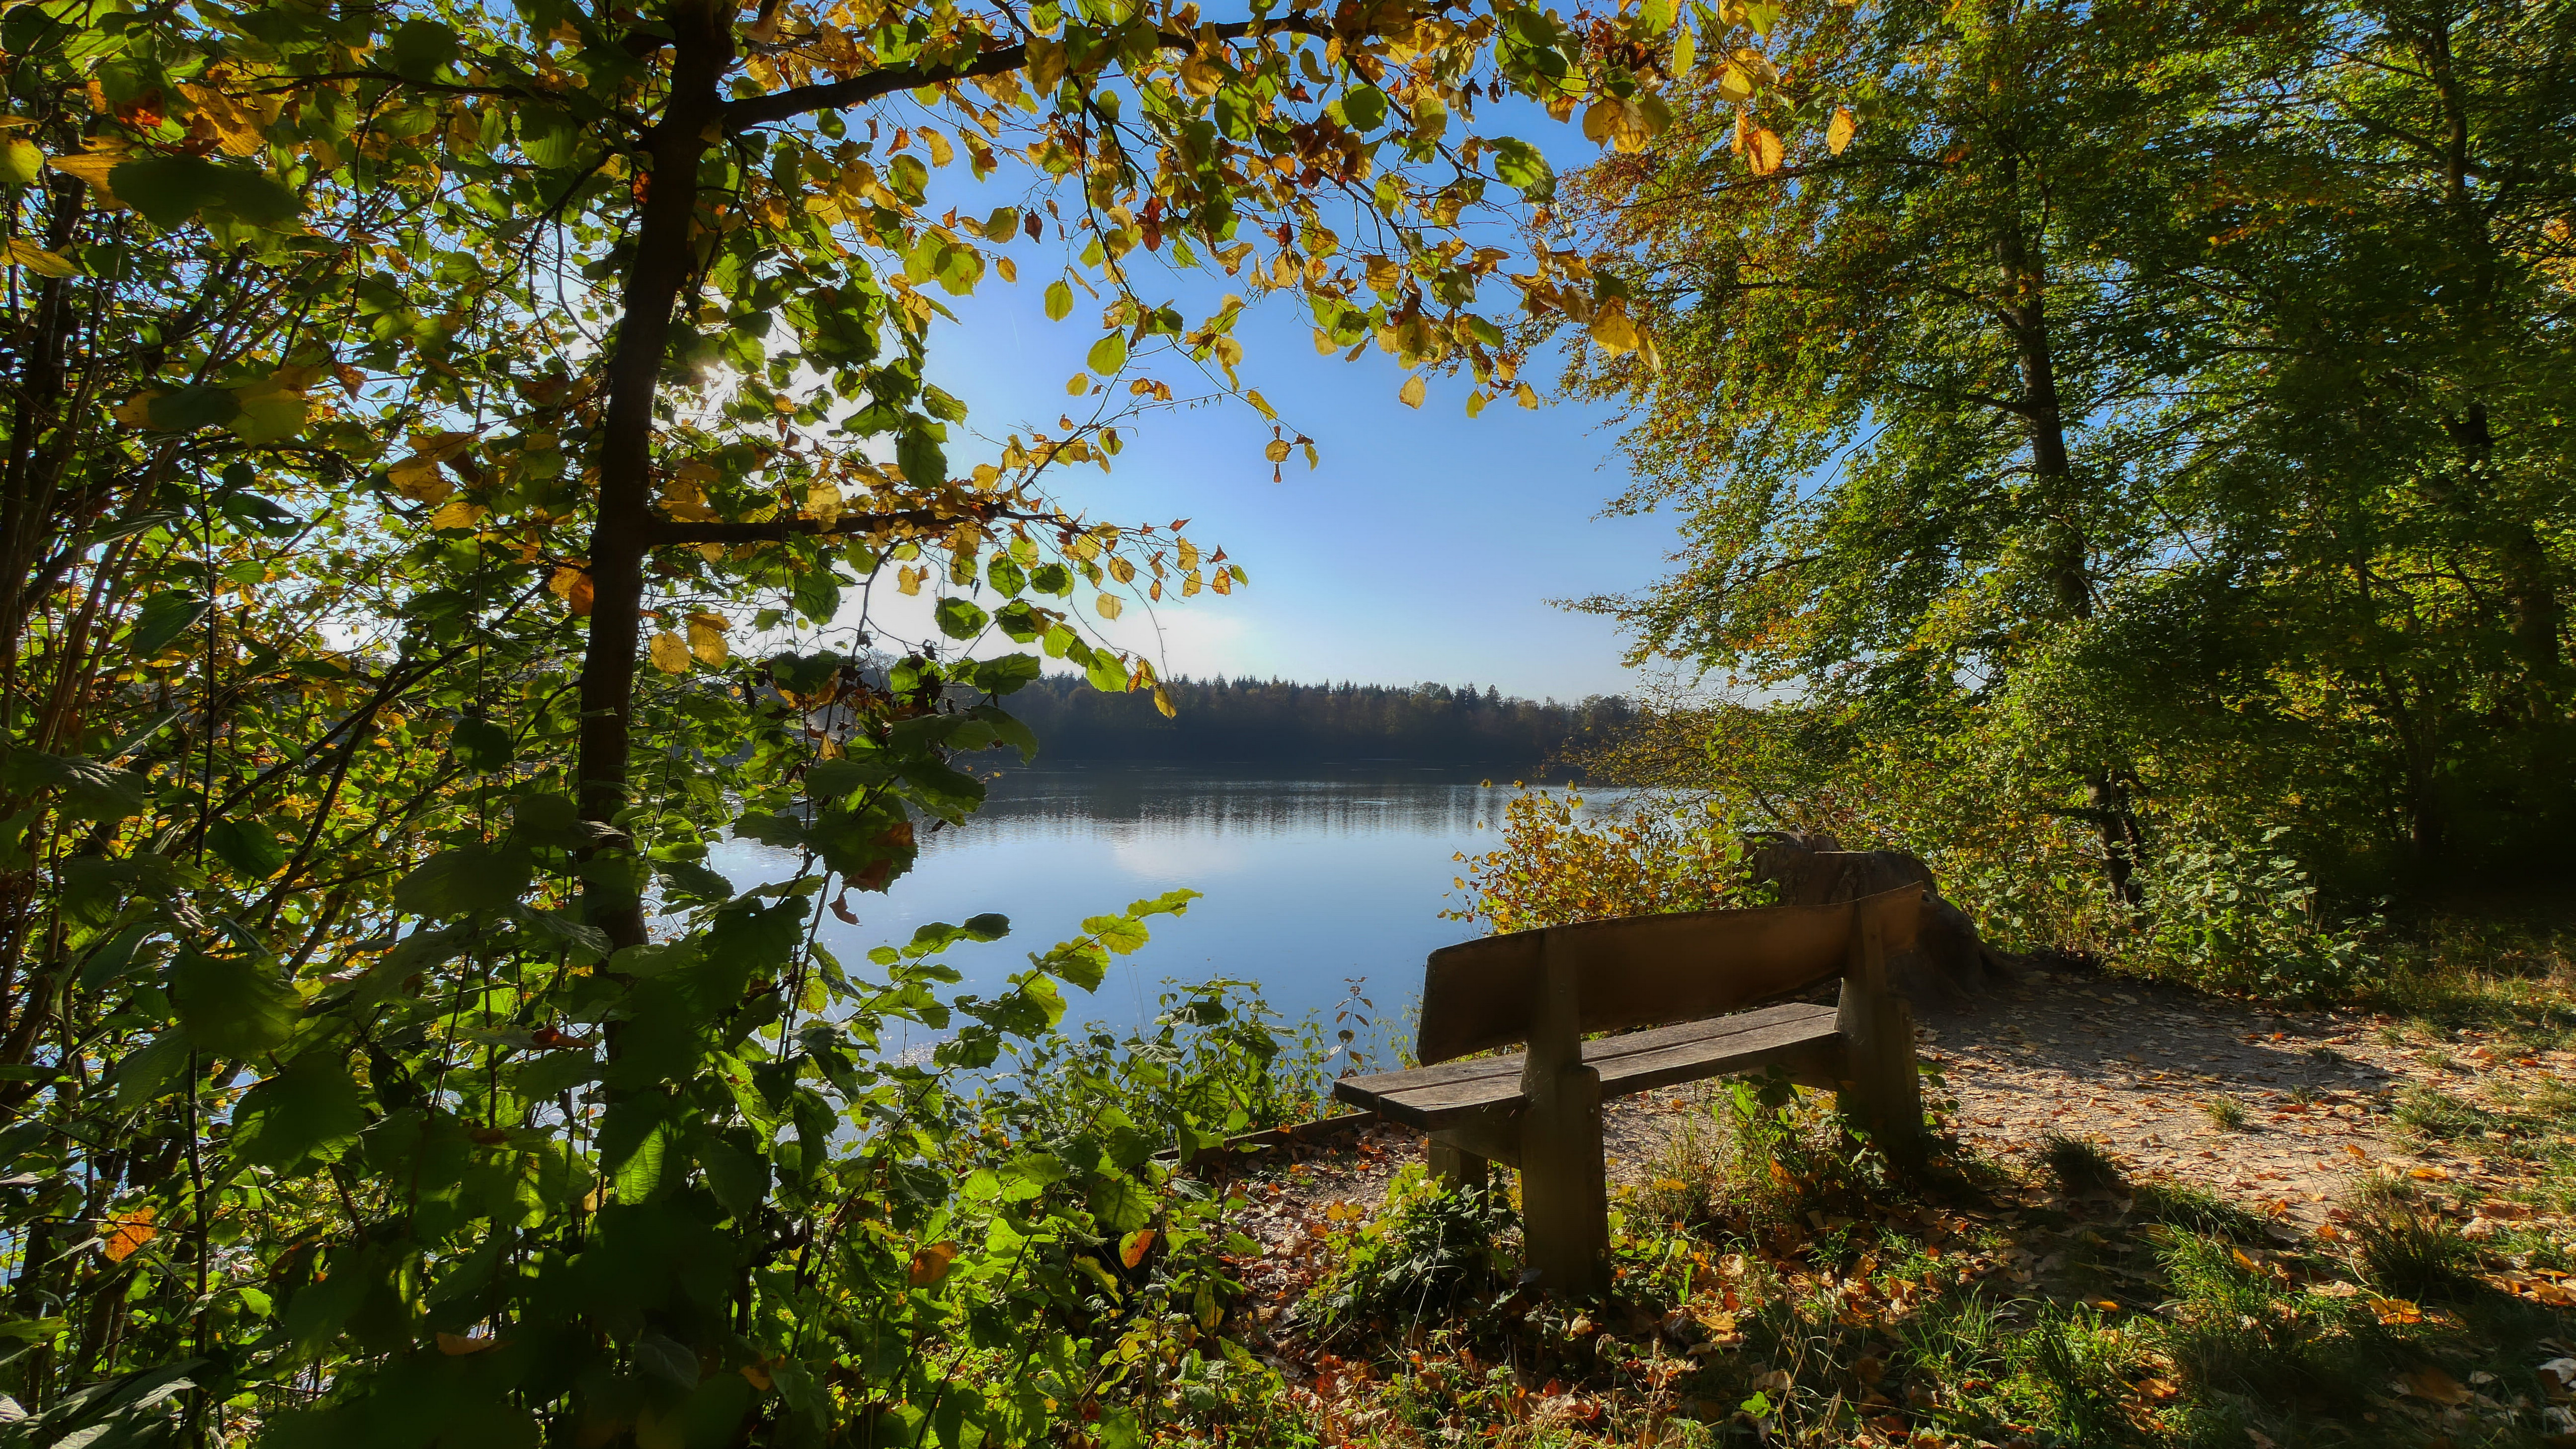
1424,1256
2227,914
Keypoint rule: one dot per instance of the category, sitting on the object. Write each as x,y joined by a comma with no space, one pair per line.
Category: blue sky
1424,548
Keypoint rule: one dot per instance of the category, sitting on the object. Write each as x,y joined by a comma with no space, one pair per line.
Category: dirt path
2130,1065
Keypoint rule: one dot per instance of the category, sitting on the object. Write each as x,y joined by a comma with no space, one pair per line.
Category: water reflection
1308,882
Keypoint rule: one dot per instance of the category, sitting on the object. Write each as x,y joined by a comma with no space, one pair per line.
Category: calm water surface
1307,882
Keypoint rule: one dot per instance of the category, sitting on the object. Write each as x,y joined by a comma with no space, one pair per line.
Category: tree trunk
664,259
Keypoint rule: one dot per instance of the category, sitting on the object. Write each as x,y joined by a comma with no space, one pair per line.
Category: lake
1308,883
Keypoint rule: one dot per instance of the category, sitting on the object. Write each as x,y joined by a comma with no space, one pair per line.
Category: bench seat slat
1428,1097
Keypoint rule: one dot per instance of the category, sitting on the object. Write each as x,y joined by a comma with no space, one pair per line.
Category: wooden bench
1687,977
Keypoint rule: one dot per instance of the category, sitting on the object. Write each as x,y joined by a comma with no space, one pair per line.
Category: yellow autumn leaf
823,501
419,479
23,253
1277,452
1163,703
458,513
908,579
91,167
1838,132
136,411
668,653
707,638
1110,608
21,161
1763,151
1384,273
1201,75
1735,83
941,153
1525,397
1615,333
1414,391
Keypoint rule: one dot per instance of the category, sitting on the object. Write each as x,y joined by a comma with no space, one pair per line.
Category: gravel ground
2134,1066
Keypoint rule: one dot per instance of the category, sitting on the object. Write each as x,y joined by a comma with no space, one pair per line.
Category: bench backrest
1645,970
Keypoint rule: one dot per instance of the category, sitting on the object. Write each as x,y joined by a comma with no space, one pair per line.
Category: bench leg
1455,1167
1885,1093
1565,1198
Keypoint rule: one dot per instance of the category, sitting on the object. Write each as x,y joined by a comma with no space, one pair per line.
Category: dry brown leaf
2437,1385
128,1232
931,1264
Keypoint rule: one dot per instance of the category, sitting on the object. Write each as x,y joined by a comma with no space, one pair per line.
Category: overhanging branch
796,101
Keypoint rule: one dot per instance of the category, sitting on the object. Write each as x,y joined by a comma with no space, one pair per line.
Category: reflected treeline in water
1122,802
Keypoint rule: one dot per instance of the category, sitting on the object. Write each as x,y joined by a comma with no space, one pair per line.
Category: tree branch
663,532
742,115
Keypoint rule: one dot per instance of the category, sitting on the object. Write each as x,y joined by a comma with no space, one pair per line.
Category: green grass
2224,1113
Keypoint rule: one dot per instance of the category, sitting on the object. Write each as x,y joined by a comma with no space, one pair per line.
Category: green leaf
642,1172
1108,354
960,618
191,408
1051,579
690,881
1107,672
1005,673
249,847
1121,934
1517,163
1119,1203
172,190
233,1006
919,455
310,1110
468,880
90,790
481,745
162,619
420,47
148,1074
550,1074
739,1179
1059,301
1364,107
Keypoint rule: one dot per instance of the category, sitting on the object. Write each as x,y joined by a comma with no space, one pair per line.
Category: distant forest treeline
1265,721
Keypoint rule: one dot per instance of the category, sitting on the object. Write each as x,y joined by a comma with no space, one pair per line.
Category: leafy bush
1424,1255
1554,866
2229,915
